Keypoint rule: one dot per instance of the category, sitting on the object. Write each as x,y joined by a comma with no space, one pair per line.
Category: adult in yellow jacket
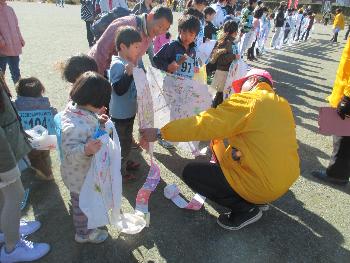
338,171
338,24
260,162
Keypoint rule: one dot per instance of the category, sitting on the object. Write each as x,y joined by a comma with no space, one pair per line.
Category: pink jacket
159,41
11,40
105,48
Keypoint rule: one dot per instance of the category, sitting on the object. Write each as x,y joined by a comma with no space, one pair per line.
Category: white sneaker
25,228
96,236
24,251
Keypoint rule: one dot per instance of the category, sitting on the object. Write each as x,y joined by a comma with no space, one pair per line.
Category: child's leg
10,197
14,68
80,220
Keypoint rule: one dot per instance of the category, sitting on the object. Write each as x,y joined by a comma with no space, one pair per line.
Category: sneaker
97,236
24,251
166,144
237,221
322,175
26,228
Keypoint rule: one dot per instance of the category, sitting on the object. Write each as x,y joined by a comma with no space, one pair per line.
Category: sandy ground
309,224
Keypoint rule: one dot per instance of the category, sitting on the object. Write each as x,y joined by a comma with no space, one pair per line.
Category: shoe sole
248,222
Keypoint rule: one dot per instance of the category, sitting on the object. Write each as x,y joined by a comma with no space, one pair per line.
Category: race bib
187,68
33,118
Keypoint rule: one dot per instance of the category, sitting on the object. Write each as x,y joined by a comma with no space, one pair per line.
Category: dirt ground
308,224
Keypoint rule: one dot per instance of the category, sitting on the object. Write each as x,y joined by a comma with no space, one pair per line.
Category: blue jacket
173,51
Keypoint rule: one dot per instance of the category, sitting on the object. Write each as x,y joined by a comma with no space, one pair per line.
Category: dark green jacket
13,143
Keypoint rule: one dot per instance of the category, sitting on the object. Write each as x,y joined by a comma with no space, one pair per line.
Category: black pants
339,165
286,33
347,33
208,180
89,35
306,34
335,37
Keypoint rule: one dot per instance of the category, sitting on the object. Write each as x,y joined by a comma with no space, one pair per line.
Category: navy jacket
171,52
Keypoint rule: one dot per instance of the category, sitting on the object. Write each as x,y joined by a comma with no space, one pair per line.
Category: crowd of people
244,173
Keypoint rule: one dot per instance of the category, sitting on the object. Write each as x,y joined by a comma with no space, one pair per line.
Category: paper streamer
172,192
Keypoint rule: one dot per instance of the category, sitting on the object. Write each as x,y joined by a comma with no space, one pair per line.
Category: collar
192,45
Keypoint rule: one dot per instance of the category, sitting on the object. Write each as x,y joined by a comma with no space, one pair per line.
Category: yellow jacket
261,126
342,81
339,21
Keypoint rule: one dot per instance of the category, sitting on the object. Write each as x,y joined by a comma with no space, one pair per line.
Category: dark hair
77,65
189,23
265,9
92,89
127,35
194,12
338,10
29,87
228,29
162,12
208,11
251,2
197,2
263,79
258,13
167,35
260,2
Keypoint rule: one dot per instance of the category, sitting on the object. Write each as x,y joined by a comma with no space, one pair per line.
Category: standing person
11,41
87,13
298,24
265,26
338,24
79,122
210,31
224,53
231,8
326,17
310,23
338,170
157,22
258,13
279,23
123,105
30,97
108,5
347,33
220,10
14,146
247,26
249,170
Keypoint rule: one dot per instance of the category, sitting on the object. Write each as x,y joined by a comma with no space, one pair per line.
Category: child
123,105
247,26
160,41
258,13
224,53
310,23
279,24
30,97
210,31
79,122
338,24
265,26
11,41
179,56
14,146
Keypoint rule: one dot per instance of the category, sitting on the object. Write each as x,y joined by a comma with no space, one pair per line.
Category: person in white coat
221,13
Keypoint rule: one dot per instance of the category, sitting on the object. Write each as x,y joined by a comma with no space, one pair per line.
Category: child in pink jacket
11,41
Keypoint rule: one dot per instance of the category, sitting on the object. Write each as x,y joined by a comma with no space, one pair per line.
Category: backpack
101,24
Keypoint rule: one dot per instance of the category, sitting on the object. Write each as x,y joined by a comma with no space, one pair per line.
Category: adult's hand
149,134
343,108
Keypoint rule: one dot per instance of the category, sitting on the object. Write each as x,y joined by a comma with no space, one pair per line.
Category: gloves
343,108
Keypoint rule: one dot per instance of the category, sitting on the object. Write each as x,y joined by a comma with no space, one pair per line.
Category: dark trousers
297,33
306,34
124,129
347,33
339,165
89,34
335,37
286,33
208,180
13,63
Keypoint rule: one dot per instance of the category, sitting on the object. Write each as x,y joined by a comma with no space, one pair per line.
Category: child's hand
128,69
173,67
92,147
103,118
182,59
